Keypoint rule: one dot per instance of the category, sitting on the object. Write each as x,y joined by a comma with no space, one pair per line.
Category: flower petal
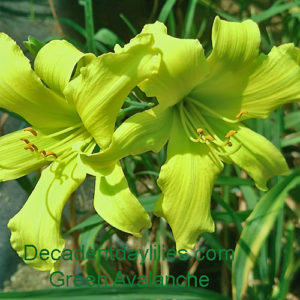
100,90
234,43
22,92
145,131
257,156
241,80
38,222
186,181
56,61
117,205
15,161
183,66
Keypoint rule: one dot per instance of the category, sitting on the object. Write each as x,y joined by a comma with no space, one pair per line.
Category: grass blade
252,237
273,11
189,18
165,11
129,25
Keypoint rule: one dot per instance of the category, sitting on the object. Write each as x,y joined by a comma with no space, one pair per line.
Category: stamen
50,153
239,115
29,146
229,144
29,129
200,131
64,130
210,111
230,133
24,140
34,147
237,148
43,152
209,138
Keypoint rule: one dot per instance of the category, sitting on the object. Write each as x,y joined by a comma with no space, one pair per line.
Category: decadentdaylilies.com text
153,253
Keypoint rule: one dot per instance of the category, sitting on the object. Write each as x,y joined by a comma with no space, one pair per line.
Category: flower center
57,145
199,130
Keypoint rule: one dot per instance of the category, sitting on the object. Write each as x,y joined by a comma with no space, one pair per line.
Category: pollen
200,131
50,153
209,138
230,133
239,115
30,130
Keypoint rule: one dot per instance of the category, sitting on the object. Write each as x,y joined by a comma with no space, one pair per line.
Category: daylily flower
71,100
202,103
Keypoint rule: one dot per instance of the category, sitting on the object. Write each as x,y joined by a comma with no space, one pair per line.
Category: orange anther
230,133
29,146
24,140
43,152
51,153
34,147
30,130
244,111
200,131
209,138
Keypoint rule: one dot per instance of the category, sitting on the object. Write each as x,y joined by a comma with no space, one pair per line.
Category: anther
29,146
24,140
200,131
34,147
43,152
244,111
30,130
230,133
229,144
51,153
209,138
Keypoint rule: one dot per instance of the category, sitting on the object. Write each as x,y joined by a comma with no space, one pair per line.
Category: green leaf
189,18
148,202
118,292
88,236
107,37
288,263
129,25
89,24
233,181
290,140
257,227
273,11
91,221
33,45
292,119
74,25
224,216
165,11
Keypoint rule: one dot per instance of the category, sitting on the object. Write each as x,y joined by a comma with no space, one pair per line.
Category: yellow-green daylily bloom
202,103
71,100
